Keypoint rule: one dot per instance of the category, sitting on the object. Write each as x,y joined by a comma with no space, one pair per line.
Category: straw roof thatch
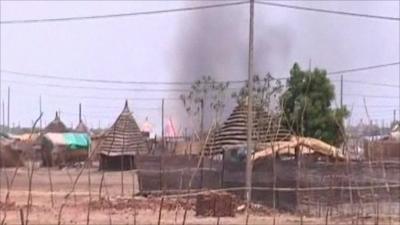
124,137
82,128
56,126
233,132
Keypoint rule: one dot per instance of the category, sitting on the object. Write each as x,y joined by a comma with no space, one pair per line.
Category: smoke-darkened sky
184,46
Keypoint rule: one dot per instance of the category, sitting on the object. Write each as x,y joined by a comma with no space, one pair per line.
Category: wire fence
312,191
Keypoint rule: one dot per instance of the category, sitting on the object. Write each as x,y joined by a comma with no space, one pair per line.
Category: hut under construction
121,143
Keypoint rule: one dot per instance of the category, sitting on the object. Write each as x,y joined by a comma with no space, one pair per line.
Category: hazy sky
182,46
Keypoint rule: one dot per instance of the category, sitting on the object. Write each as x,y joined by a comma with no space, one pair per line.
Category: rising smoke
214,42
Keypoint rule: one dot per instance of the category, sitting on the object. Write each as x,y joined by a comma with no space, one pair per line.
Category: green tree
307,106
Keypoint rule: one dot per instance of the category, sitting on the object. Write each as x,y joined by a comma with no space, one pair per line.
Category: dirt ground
114,203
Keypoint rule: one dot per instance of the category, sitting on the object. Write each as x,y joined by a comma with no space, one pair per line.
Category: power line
95,88
142,13
110,98
329,11
120,15
369,83
358,69
374,106
339,72
373,96
45,76
104,88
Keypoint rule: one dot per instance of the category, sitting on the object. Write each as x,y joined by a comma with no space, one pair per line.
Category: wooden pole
341,91
223,170
160,211
8,108
80,112
250,109
201,118
40,111
394,116
4,116
162,123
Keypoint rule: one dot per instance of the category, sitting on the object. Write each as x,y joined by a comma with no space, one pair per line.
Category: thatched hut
65,148
121,143
56,126
233,132
82,128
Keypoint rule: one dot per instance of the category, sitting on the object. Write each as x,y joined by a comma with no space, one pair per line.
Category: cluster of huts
57,145
222,154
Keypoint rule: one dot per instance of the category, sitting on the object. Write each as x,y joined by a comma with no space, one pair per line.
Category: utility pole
40,112
250,109
8,108
394,116
4,116
341,91
162,123
80,112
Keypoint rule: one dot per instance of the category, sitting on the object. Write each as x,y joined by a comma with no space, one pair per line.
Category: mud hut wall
173,172
117,163
9,157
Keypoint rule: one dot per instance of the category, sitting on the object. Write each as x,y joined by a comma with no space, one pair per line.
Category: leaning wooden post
60,214
21,215
223,170
160,211
90,193
161,172
51,186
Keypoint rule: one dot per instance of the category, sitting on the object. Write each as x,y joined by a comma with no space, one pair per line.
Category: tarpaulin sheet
72,140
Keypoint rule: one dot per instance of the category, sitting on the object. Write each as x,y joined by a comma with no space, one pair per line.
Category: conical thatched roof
233,132
124,137
56,126
82,128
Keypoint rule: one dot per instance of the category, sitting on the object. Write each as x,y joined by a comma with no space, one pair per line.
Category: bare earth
115,204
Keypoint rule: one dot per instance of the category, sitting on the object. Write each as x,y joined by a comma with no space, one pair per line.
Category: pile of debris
216,204
141,203
256,209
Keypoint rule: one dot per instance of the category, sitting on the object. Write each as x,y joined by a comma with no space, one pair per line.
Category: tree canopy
206,96
266,90
307,106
